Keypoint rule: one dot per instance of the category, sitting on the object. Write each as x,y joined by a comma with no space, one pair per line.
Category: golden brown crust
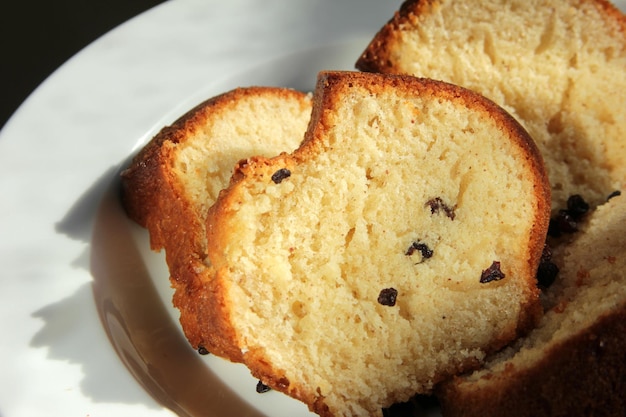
154,197
376,57
574,363
612,14
330,87
535,166
570,380
583,376
151,193
314,137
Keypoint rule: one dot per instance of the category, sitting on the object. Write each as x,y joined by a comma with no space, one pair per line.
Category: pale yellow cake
560,69
574,362
176,177
395,247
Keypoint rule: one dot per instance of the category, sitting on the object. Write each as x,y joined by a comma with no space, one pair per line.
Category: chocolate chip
387,297
422,247
547,270
493,273
563,222
577,207
280,175
614,194
261,388
546,274
436,205
202,350
566,220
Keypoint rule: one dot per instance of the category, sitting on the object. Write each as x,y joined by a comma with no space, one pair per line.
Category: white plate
72,322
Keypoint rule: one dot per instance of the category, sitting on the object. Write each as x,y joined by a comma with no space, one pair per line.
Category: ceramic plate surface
85,313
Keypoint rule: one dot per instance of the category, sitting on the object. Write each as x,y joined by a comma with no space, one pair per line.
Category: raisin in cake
558,67
574,363
173,180
395,247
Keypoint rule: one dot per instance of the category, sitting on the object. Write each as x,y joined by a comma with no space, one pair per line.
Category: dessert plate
85,312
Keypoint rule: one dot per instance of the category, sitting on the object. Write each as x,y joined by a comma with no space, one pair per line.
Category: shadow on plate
134,312
142,330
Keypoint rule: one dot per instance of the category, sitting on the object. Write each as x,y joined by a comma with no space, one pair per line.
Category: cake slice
395,247
170,184
559,68
574,363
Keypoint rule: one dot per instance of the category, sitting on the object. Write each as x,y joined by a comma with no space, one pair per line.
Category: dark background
36,37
